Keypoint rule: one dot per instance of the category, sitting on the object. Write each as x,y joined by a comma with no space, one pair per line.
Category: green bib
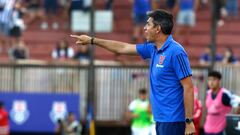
144,118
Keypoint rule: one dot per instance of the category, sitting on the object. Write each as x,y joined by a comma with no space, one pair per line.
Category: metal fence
115,86
45,79
230,77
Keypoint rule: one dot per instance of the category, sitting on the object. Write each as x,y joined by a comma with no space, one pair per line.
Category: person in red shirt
4,120
197,111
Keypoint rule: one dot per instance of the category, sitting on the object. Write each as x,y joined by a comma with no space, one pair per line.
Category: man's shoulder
175,45
176,48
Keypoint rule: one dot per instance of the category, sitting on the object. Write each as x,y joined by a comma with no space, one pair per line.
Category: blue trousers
170,128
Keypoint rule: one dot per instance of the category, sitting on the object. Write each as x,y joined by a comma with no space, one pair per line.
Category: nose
145,28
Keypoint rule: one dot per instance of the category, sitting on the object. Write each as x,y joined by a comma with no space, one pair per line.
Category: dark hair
162,18
143,91
231,58
58,48
215,74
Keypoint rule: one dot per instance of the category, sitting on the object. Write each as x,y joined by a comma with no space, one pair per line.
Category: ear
158,29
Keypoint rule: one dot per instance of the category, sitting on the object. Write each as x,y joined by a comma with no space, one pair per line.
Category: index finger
74,36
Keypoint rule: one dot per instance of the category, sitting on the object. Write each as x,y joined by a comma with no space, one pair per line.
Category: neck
216,90
160,41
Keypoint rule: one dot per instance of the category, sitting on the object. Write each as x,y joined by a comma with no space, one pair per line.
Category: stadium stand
42,42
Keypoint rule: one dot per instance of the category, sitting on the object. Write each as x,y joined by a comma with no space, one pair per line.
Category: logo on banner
59,111
19,112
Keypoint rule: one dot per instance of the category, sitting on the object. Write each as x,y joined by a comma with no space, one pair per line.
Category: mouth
145,33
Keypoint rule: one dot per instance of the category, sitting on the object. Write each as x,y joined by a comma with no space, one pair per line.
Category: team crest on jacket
59,111
161,59
19,112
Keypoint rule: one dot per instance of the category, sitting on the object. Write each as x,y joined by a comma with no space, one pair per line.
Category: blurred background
47,81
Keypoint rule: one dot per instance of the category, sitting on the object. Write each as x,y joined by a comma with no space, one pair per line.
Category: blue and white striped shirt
6,14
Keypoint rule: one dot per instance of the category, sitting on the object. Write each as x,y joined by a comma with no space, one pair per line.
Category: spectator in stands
70,127
35,12
65,8
205,58
186,18
62,51
18,24
2,24
4,120
140,7
197,111
228,57
6,10
221,12
19,51
170,4
139,114
232,8
219,102
51,7
108,4
82,54
76,5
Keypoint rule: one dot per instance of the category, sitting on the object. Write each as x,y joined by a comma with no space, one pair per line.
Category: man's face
151,30
213,82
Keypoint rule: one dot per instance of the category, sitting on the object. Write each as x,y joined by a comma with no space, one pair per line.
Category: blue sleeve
226,100
181,65
144,50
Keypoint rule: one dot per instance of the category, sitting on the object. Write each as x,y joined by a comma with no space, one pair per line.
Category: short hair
163,18
215,74
143,91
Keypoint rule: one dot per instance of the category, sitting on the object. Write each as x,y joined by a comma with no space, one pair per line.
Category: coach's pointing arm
111,45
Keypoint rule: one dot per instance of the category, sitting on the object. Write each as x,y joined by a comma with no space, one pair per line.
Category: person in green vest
139,114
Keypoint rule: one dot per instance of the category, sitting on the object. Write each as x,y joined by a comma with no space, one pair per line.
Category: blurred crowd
16,16
227,57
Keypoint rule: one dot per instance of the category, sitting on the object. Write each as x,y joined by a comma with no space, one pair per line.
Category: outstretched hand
82,39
